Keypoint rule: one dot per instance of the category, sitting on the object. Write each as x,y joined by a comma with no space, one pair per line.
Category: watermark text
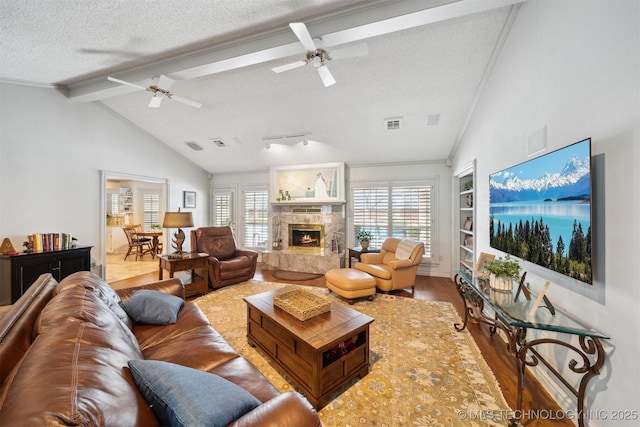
548,414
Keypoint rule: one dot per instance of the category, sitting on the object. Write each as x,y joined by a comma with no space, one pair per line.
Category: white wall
574,67
52,150
355,173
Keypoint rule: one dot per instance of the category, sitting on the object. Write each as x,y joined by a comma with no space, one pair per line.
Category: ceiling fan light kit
160,91
318,56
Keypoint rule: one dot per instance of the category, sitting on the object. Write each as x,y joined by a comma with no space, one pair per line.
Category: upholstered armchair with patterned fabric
227,264
396,266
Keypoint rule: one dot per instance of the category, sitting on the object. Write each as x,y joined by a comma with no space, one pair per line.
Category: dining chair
135,245
138,229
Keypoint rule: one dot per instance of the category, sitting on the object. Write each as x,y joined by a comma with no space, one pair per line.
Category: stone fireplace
306,238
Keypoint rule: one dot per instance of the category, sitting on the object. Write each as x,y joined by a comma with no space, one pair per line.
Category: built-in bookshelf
126,201
465,196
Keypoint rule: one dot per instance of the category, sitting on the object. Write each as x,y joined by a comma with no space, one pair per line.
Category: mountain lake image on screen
540,211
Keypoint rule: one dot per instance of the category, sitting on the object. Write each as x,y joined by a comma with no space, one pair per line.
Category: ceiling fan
318,56
160,91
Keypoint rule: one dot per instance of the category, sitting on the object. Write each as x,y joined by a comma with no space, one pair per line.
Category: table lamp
177,220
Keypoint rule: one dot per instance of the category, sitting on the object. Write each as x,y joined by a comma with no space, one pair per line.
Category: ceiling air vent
393,124
218,141
194,146
433,120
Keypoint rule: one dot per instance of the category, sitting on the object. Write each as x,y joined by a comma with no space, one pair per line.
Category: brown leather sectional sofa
64,352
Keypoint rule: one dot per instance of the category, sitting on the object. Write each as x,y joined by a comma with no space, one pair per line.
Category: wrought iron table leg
590,347
459,283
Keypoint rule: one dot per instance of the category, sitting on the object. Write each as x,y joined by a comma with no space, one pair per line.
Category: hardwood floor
535,397
118,268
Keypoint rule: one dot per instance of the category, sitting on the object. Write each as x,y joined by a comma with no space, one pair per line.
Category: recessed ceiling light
194,146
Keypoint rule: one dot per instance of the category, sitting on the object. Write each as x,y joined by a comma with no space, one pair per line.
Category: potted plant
502,273
364,237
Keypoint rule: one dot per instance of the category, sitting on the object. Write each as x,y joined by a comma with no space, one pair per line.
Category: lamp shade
177,220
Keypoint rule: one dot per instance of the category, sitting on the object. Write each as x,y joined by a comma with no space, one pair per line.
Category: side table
357,251
188,262
514,317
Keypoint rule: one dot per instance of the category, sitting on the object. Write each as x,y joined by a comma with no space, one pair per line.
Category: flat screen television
540,211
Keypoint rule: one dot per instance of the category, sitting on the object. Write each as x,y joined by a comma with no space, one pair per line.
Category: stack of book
49,241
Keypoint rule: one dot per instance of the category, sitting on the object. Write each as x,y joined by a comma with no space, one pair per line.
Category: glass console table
513,316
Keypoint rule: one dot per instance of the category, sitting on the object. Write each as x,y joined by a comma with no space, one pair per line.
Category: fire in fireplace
306,236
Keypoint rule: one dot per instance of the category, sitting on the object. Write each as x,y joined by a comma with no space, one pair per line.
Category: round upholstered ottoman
350,283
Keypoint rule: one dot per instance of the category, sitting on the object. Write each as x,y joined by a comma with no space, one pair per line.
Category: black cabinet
18,272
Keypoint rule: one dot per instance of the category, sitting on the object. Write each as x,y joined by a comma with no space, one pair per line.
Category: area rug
423,372
294,275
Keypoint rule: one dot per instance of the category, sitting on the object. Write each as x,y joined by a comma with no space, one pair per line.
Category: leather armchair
390,270
227,264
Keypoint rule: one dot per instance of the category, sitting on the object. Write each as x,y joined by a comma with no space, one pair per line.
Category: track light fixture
290,140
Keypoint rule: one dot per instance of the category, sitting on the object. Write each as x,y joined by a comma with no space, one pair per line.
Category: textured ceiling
221,54
64,41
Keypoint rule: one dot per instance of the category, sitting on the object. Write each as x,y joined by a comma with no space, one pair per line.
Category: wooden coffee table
320,354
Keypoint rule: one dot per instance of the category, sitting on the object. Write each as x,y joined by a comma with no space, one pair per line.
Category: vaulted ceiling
426,65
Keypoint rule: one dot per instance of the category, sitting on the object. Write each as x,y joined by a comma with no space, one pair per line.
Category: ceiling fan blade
303,35
288,67
360,49
155,101
165,82
326,76
186,101
122,82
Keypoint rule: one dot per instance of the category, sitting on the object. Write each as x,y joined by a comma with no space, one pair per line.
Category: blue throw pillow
153,307
182,396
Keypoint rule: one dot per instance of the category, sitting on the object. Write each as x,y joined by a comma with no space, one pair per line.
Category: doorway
129,200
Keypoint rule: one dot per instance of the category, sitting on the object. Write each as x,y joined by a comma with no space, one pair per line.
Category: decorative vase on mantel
364,245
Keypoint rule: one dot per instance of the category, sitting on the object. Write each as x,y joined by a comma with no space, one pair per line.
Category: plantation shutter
397,209
411,214
114,203
151,210
222,212
371,212
255,220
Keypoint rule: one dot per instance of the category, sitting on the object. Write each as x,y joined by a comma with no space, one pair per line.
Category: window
222,208
255,227
113,203
403,210
151,210
371,212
